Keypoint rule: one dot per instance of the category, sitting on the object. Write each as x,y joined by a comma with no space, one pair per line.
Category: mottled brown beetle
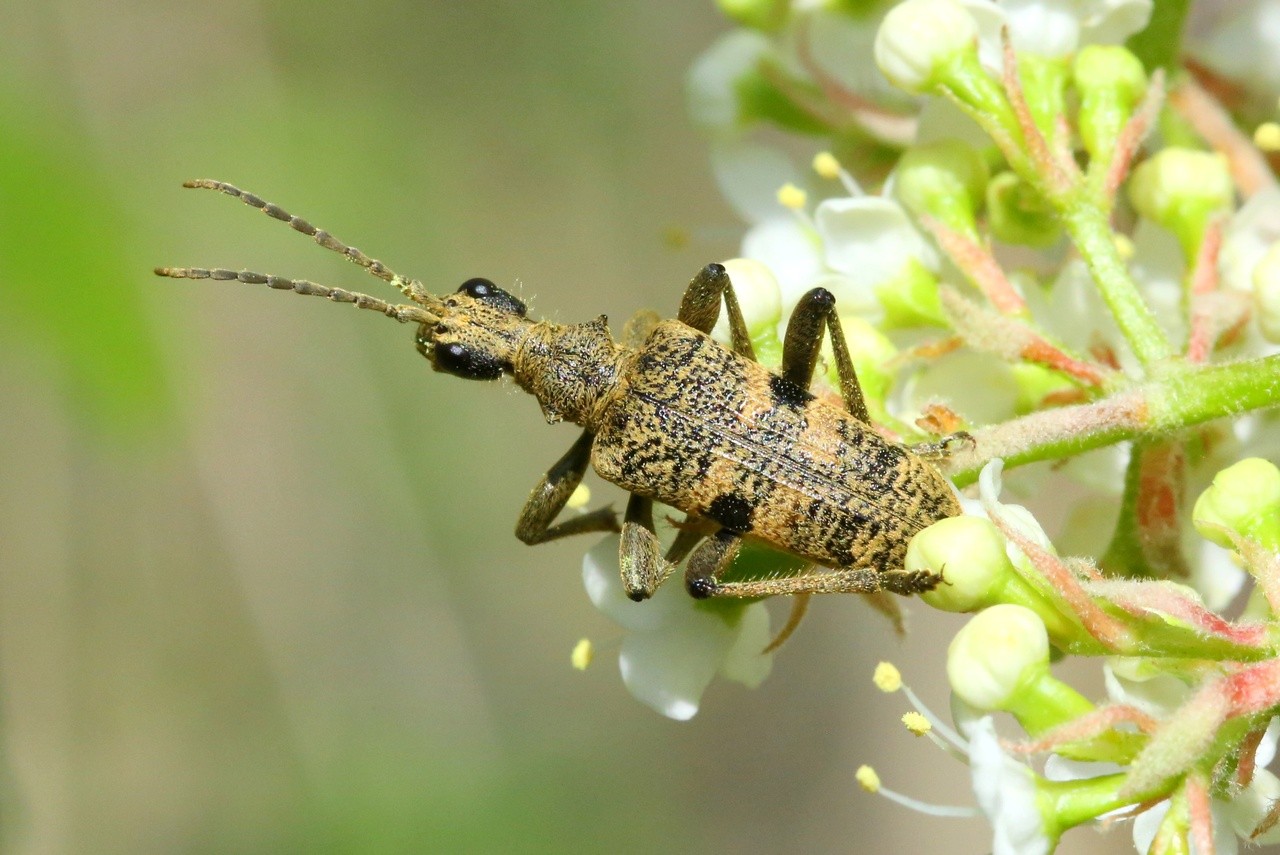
671,416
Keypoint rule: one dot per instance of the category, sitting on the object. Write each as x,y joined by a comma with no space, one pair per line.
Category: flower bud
970,555
1244,497
1018,214
943,180
1182,190
1110,81
996,655
1266,294
919,38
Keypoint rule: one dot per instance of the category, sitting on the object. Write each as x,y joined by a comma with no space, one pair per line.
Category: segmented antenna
411,288
402,313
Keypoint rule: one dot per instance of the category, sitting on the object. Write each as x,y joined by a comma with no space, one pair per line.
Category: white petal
670,669
744,663
790,250
1048,28
603,581
870,238
1111,22
1247,809
749,175
1006,792
711,88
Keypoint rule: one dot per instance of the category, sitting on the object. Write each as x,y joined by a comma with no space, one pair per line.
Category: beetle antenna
411,288
402,313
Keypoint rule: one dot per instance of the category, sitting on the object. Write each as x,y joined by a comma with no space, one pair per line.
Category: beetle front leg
816,309
548,499
640,554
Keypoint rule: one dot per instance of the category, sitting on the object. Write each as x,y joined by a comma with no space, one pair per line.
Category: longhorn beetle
671,416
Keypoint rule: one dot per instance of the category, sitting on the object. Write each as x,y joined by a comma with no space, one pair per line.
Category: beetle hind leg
845,580
816,310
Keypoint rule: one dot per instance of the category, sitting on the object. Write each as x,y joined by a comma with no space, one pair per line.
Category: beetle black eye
486,291
461,361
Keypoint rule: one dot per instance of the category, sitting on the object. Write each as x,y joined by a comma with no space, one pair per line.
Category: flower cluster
1017,254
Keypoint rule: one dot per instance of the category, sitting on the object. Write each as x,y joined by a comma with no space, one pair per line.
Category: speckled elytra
671,416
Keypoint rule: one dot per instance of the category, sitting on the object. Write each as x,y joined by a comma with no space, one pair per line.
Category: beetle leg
817,308
548,499
846,580
944,447
710,560
640,555
700,307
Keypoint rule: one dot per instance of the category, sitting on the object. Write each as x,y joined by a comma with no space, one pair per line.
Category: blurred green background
258,588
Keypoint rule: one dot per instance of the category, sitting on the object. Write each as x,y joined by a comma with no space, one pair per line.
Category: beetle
671,416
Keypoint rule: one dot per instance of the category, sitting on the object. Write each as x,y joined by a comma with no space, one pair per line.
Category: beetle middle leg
700,307
844,580
552,493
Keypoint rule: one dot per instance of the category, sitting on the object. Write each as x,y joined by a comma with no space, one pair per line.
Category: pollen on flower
1267,136
580,498
887,677
791,196
868,779
826,165
583,652
916,723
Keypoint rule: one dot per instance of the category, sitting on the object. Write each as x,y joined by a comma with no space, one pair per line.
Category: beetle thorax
571,370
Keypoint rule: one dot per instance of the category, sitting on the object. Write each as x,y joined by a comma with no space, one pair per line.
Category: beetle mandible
671,416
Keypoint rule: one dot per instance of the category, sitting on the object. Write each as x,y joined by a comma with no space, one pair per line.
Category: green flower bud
1018,214
999,660
969,553
1244,497
919,39
997,654
1044,84
910,298
1266,294
1110,81
943,180
1182,190
765,15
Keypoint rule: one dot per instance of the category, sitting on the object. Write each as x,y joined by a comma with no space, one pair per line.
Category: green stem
1090,231
1178,399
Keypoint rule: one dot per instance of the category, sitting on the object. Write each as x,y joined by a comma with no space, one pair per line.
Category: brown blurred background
258,587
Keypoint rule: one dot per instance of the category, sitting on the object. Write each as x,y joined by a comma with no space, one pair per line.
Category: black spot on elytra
732,511
787,394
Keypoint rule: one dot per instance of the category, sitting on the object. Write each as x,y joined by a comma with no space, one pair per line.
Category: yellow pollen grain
1124,246
580,498
826,165
582,654
868,779
791,196
1267,136
887,677
916,723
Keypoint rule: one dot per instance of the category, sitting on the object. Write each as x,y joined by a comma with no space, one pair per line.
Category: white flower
675,645
1243,46
1055,28
1006,792
918,37
711,87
